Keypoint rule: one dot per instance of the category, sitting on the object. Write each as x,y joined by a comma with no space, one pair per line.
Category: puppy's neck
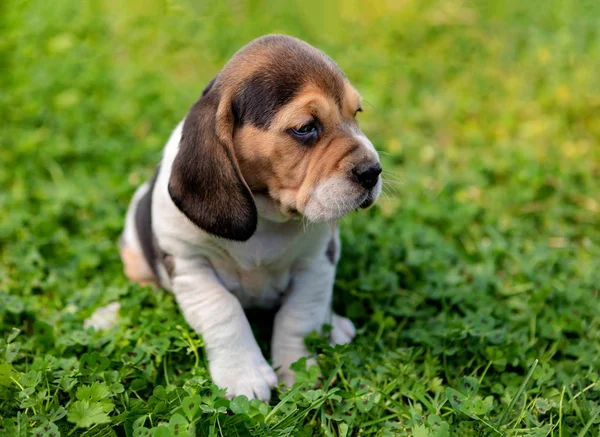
269,209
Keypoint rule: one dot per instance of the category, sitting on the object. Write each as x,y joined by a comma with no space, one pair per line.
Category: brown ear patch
205,182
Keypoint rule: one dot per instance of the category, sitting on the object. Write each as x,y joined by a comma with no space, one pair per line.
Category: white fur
284,261
104,317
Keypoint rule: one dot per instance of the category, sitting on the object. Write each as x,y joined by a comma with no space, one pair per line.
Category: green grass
475,283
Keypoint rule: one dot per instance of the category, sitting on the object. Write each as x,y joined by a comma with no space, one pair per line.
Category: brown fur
135,266
236,138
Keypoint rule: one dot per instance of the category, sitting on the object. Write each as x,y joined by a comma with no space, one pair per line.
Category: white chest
259,272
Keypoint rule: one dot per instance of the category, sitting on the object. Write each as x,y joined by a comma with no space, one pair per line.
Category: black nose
367,175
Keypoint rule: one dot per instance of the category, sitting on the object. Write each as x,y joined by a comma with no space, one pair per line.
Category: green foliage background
474,284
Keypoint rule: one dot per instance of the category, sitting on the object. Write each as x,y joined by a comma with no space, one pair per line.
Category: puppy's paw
243,375
104,317
342,330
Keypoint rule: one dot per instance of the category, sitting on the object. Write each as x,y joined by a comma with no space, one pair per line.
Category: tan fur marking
135,266
352,100
272,160
310,102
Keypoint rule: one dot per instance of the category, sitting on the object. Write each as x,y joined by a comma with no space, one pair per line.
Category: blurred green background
487,115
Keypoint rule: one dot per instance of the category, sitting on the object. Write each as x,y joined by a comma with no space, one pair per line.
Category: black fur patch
143,224
331,251
261,96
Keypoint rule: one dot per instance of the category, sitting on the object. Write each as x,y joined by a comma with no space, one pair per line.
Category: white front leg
235,360
306,309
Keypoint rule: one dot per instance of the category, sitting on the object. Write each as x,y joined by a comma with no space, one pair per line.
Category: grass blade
584,431
513,401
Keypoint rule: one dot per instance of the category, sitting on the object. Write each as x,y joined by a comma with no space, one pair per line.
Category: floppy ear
205,182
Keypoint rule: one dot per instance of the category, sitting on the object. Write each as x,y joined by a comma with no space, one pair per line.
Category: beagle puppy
242,208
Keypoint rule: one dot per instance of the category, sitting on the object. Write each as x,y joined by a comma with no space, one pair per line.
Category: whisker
386,194
391,190
393,186
392,176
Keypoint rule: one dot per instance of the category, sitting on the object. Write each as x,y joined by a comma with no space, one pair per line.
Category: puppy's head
279,119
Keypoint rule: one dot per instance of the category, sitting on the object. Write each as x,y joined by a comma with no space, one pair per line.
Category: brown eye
307,134
307,129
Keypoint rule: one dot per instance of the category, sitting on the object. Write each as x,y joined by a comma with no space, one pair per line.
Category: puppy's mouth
371,197
364,201
368,201
330,200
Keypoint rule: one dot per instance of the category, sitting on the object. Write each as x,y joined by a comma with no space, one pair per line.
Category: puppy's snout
367,174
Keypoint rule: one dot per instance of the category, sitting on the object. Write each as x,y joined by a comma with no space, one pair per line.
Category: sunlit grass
482,257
